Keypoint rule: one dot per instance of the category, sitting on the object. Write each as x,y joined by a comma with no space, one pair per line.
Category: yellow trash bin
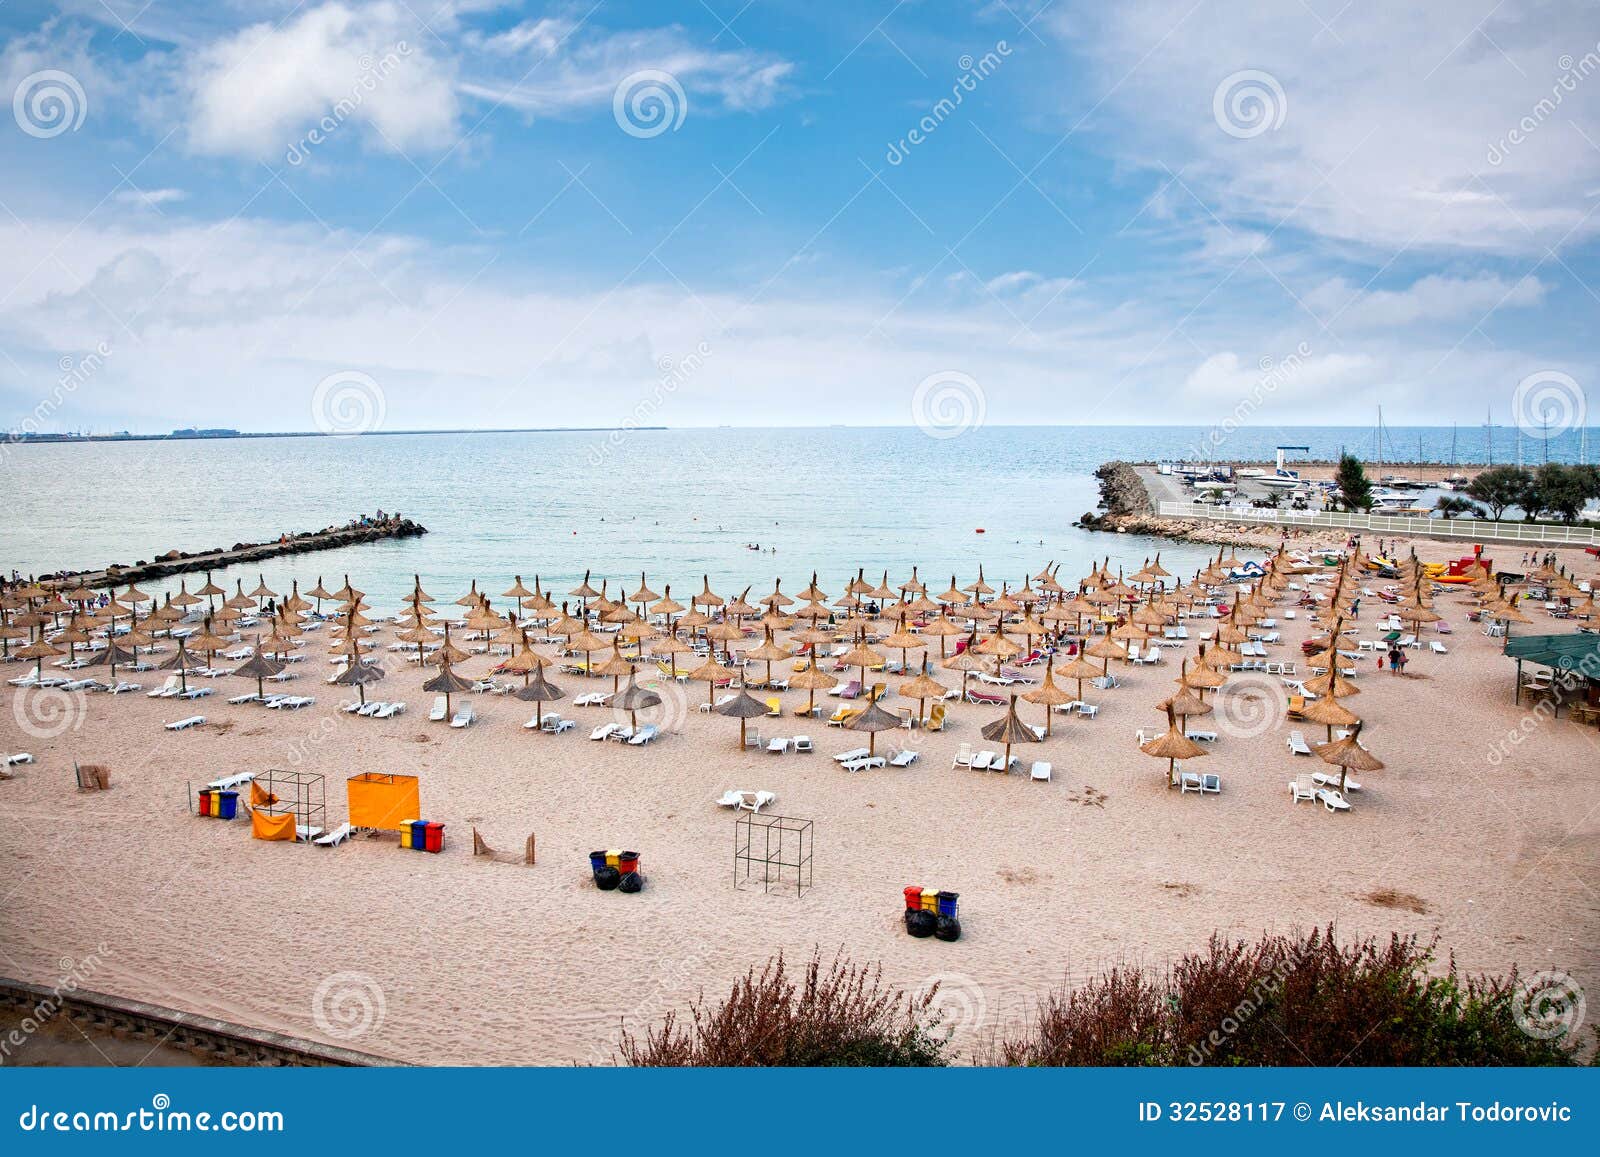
930,899
405,833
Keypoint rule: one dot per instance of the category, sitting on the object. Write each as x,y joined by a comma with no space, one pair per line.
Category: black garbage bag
632,882
947,928
607,878
921,923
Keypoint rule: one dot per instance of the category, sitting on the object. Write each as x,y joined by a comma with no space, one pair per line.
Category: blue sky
1140,212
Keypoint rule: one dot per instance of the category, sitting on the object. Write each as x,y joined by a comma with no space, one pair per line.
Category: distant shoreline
234,435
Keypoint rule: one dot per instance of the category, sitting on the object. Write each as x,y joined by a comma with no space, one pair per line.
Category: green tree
1355,492
1562,490
1450,505
1499,487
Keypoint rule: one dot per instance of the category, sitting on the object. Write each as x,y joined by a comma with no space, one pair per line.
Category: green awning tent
1579,653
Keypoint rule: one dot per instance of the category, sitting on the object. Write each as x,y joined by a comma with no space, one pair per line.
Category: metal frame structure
777,844
302,792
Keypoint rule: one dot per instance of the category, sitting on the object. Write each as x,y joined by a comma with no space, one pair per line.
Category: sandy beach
451,959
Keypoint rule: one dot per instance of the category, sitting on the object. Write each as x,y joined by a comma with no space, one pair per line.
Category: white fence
1467,529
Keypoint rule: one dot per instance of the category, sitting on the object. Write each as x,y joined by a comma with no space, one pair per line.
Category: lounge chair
777,745
644,735
840,716
1332,800
436,712
1298,744
1210,783
1329,779
185,724
247,697
464,716
1437,647
984,697
389,710
20,757
754,801
936,718
167,690
295,702
852,690
774,707
802,743
1201,736
729,798
336,837
195,693
903,758
983,760
853,753
1040,770
604,731
1188,781
1301,788
27,680
963,756
864,763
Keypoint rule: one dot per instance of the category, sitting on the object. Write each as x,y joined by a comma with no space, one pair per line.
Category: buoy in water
978,531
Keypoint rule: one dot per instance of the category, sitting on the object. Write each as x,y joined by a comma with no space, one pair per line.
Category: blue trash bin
419,835
227,804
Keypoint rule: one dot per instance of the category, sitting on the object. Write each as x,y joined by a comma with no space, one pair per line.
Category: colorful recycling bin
433,839
406,829
930,899
627,862
597,860
227,804
419,835
947,903
913,894
612,856
204,798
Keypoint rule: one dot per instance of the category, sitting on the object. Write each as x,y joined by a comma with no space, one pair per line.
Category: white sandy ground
447,959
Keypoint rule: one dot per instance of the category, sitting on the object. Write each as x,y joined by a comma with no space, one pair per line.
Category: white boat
1284,480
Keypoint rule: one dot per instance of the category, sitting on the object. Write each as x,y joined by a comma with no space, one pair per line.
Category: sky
408,214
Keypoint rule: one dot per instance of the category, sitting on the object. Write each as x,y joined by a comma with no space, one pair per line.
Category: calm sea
674,504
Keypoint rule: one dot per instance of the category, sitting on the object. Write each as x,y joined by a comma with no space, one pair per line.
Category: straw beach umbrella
1348,755
711,673
811,681
1080,669
1009,729
258,667
447,683
1172,745
923,688
633,699
743,708
537,691
358,673
872,720
1047,694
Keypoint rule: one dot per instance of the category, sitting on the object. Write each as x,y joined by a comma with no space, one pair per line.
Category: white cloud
554,73
1393,116
151,198
256,93
1436,297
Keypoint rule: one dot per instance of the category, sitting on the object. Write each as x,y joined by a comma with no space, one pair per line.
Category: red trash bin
434,837
628,862
205,802
913,896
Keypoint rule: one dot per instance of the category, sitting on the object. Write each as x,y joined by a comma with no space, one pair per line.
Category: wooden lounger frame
480,848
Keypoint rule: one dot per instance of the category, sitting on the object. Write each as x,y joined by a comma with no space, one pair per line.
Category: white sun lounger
20,757
1298,744
853,753
1188,781
963,756
1040,770
185,724
195,693
167,690
1332,800
229,782
1329,779
865,762
604,731
1202,736
983,760
802,743
644,735
1437,647
436,712
240,700
1302,788
464,716
904,758
336,837
777,745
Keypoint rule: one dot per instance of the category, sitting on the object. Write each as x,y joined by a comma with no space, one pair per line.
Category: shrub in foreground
838,1016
